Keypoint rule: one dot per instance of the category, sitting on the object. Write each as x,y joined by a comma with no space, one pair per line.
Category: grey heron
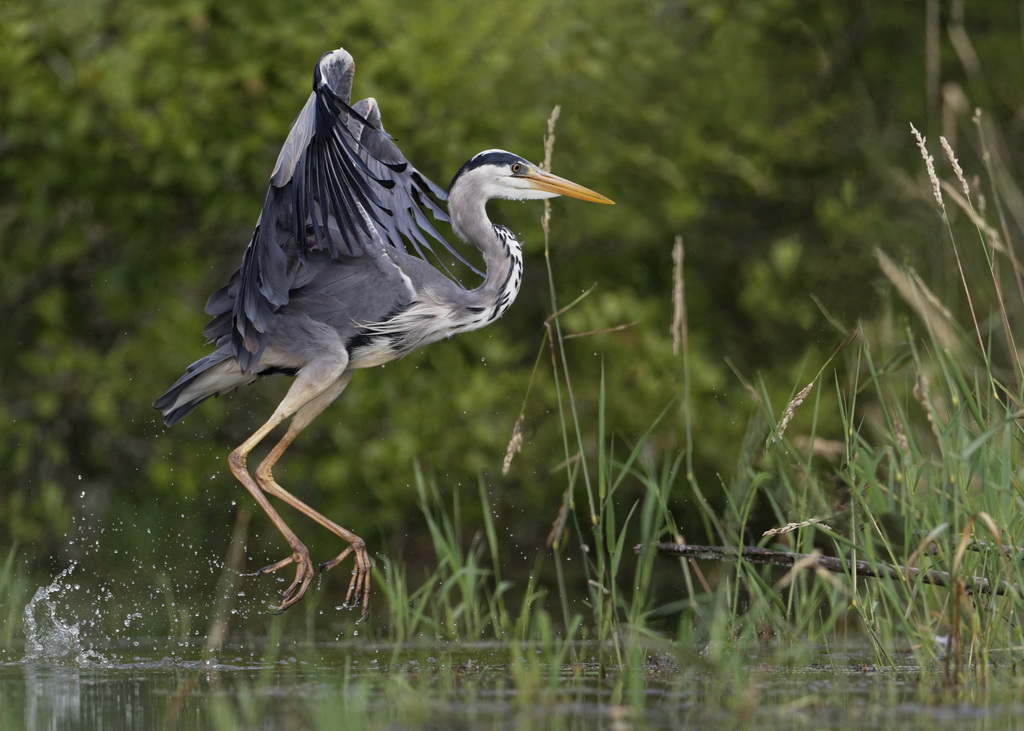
328,285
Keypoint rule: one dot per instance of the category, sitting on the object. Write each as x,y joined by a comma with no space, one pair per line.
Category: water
331,687
88,663
48,637
62,682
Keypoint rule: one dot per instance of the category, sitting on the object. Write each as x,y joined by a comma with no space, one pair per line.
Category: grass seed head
929,163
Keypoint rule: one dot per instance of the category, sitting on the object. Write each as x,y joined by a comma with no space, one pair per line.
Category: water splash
50,639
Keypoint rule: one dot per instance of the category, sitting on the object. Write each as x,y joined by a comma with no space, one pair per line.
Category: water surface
454,685
70,675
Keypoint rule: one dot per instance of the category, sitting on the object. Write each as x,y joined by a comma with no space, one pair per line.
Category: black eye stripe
498,158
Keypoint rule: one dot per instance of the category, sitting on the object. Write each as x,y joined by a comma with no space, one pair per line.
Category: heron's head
501,174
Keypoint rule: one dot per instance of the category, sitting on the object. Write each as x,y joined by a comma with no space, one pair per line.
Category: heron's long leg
359,587
310,383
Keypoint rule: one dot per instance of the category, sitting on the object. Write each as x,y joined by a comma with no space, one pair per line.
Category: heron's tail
213,375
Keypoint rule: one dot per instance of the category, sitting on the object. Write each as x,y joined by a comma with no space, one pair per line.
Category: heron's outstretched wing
340,185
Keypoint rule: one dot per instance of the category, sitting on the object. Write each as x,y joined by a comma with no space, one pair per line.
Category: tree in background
136,142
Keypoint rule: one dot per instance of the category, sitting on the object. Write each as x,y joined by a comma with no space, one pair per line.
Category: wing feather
340,184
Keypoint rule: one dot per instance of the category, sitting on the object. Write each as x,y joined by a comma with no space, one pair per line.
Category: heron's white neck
440,312
502,252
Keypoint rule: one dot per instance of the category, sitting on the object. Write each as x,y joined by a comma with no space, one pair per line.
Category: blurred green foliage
136,140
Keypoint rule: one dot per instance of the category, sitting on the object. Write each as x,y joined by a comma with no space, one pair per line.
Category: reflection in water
464,686
142,694
65,697
53,697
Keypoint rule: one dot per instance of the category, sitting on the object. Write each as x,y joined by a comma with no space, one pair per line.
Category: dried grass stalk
679,329
515,445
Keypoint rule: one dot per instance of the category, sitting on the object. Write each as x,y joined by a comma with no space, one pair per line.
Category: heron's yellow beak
560,186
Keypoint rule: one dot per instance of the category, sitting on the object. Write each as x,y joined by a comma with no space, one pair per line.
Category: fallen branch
752,554
974,545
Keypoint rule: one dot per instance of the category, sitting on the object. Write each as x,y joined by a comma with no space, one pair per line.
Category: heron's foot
303,576
359,587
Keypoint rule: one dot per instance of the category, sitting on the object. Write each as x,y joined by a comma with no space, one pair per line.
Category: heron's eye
517,167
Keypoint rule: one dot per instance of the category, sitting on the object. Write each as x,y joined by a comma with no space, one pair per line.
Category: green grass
16,588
